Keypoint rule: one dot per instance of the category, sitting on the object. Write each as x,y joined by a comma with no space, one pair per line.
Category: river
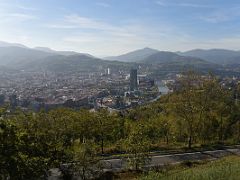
162,88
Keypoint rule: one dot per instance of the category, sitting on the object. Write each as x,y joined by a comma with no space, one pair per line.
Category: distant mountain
45,49
6,44
42,49
75,63
65,53
218,56
134,56
14,56
163,58
175,61
19,57
41,58
61,63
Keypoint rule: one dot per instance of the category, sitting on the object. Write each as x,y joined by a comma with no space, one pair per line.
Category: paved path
118,164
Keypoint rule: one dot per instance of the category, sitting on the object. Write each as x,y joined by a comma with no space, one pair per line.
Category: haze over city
112,27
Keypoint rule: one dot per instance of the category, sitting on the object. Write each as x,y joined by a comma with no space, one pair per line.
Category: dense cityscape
46,90
92,90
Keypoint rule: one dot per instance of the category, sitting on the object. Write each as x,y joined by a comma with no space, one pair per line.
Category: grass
226,168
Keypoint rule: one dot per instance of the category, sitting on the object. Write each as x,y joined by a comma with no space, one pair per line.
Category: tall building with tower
133,80
108,71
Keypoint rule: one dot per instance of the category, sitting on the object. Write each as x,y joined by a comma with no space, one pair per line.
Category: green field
225,169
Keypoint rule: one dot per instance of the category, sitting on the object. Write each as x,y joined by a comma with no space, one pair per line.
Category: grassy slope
226,168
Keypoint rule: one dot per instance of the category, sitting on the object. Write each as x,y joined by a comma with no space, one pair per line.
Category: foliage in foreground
227,168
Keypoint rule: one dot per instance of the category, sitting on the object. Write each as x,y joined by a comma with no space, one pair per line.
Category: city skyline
105,27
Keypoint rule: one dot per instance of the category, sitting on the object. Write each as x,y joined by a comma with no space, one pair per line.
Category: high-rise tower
133,80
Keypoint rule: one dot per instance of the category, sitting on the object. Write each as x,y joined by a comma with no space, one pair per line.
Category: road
116,165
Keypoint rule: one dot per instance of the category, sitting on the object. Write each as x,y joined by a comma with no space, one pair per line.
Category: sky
113,27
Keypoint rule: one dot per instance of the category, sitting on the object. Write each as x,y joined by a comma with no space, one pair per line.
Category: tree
164,127
8,150
137,145
106,127
184,104
85,163
23,154
39,143
202,107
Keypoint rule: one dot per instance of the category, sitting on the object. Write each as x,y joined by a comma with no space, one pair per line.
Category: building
108,71
133,80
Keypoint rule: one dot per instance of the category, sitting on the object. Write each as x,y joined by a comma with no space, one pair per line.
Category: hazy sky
112,27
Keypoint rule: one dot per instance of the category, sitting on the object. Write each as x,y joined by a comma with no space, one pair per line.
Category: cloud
161,3
16,6
120,36
60,26
74,21
221,15
26,8
129,29
80,23
85,22
100,38
215,18
16,17
22,16
180,4
16,13
103,4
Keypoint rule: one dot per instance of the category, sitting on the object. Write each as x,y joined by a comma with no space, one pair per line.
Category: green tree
184,105
137,146
8,150
107,127
86,163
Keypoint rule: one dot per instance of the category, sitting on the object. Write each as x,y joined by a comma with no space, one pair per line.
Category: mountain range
21,57
219,56
162,58
216,56
15,54
134,56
